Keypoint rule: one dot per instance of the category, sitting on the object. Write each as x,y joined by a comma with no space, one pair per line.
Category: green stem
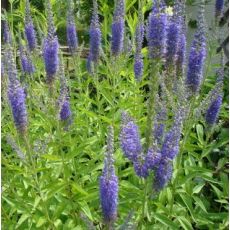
28,150
97,88
59,136
114,74
145,199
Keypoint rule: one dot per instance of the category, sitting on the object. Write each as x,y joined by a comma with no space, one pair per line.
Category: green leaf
85,208
166,221
79,189
23,218
198,188
56,187
200,203
200,133
36,202
42,220
185,223
188,202
51,157
217,191
222,201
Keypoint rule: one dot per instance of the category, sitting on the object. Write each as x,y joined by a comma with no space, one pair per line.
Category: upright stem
97,88
145,198
115,73
59,135
28,150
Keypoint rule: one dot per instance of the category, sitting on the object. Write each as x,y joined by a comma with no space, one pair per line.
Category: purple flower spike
138,67
219,7
108,194
158,132
213,110
7,38
63,101
17,99
65,112
195,69
197,56
156,32
50,49
26,62
16,95
30,36
139,36
181,55
27,66
172,43
109,183
141,168
130,139
72,38
118,28
170,146
29,28
95,35
152,158
163,174
50,52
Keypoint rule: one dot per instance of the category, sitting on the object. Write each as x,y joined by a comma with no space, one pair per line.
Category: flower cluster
95,39
16,95
63,101
139,36
72,38
29,28
157,32
159,154
109,182
118,28
132,148
197,56
95,35
219,6
26,62
50,49
174,35
213,110
7,38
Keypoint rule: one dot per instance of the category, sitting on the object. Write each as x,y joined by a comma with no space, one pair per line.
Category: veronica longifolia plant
109,183
16,96
50,49
72,38
118,27
29,28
